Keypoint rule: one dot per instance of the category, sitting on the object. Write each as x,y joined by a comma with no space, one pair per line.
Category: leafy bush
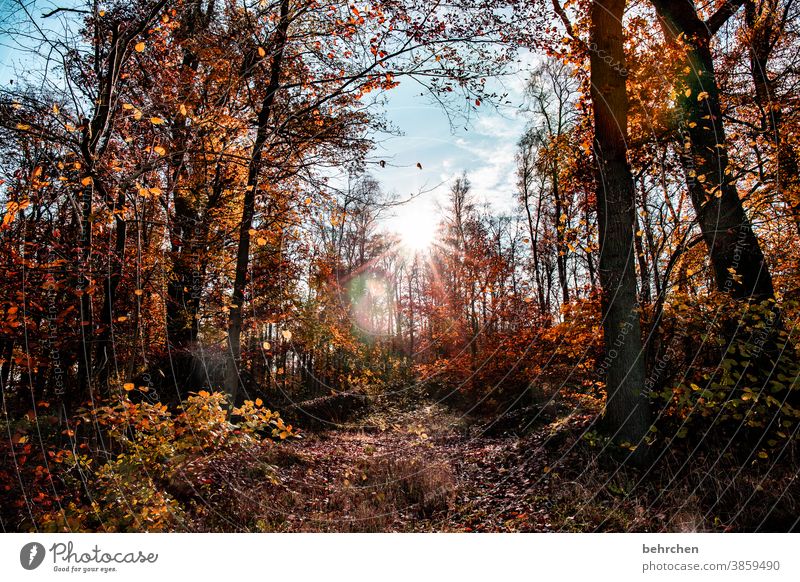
143,467
740,374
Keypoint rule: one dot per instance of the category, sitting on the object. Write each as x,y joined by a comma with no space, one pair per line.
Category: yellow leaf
128,386
127,106
139,47
182,109
688,92
156,120
138,292
86,181
261,241
23,126
702,95
137,115
160,150
287,335
266,345
259,402
261,52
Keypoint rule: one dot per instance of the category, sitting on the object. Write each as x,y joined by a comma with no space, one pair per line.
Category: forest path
423,469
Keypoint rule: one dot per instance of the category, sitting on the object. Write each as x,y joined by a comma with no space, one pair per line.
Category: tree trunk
626,416
110,285
248,209
736,258
765,25
561,247
86,320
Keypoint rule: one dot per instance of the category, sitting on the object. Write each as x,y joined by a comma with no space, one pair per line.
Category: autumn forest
228,305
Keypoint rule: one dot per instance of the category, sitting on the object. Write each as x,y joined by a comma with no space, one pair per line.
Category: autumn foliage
197,272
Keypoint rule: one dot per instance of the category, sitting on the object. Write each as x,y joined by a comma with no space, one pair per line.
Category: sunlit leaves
147,192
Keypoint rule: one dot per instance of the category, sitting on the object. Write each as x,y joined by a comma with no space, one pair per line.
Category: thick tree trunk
626,416
183,290
736,258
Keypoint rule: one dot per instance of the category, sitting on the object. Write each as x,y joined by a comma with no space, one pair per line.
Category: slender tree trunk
561,247
86,319
765,25
104,344
644,270
94,131
248,209
626,416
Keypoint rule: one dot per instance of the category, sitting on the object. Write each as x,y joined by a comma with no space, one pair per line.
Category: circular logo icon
31,555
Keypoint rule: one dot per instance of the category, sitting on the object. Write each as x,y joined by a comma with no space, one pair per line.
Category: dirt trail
419,470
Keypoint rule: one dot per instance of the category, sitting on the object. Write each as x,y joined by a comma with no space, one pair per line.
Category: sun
416,231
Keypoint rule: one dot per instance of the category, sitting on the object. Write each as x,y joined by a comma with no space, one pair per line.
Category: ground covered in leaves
428,468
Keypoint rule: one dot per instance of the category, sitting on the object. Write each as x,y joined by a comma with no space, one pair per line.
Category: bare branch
57,10
721,16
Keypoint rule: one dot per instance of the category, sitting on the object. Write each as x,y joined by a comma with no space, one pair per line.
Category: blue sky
483,145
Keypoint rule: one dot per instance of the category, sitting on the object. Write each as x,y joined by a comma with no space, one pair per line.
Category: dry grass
380,494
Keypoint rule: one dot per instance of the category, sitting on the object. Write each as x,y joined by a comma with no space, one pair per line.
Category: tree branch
721,16
57,10
561,13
